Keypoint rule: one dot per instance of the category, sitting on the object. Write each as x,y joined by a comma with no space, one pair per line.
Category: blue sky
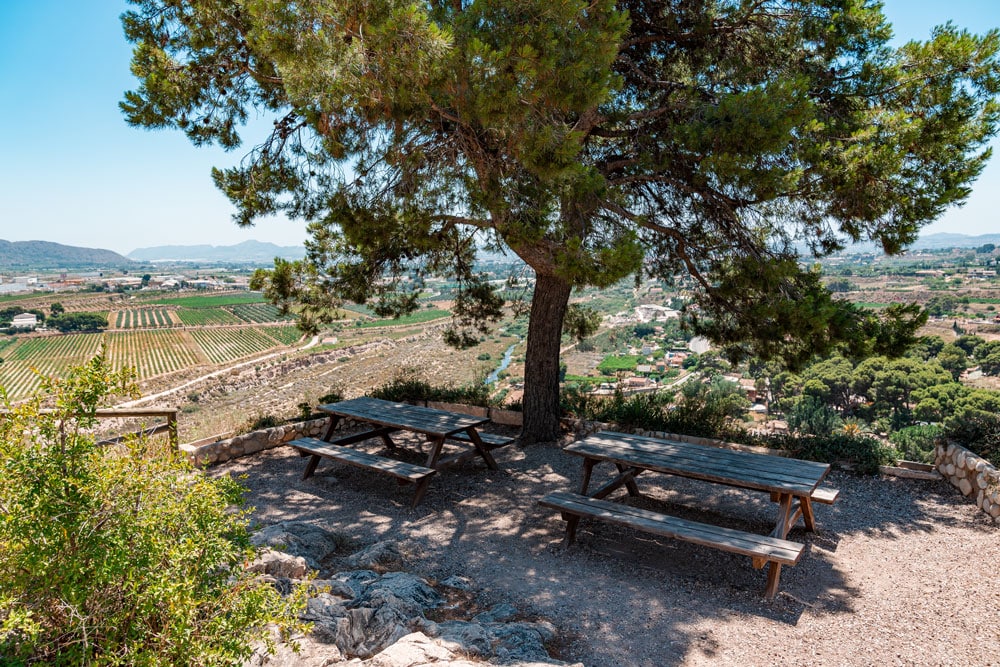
73,172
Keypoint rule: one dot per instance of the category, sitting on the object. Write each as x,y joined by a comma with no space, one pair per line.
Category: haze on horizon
75,173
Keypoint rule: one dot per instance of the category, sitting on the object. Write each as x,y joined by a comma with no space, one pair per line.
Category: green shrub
485,356
122,555
259,422
406,386
863,452
916,443
977,431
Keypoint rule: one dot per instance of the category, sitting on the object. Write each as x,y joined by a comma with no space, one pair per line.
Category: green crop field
153,352
284,335
414,318
143,318
626,362
50,355
196,317
210,301
225,345
259,312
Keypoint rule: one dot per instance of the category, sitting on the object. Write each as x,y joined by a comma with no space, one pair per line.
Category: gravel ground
901,572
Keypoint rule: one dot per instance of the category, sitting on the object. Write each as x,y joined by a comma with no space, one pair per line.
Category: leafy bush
701,409
916,443
124,554
864,453
258,422
406,386
977,431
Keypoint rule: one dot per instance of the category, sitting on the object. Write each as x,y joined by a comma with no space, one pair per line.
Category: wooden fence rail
169,426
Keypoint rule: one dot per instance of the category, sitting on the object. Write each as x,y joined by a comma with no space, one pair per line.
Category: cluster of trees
67,322
893,393
985,353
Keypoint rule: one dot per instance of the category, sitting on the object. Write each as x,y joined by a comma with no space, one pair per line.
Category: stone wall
251,443
974,476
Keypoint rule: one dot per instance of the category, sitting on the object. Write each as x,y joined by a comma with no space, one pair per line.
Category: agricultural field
143,318
210,301
49,356
259,312
197,317
415,318
153,352
225,345
288,335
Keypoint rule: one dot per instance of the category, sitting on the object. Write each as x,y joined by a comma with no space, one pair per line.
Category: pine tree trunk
541,364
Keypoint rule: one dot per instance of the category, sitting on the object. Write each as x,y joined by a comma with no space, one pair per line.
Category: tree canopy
594,140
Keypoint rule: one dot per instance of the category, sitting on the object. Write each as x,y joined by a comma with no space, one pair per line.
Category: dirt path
901,572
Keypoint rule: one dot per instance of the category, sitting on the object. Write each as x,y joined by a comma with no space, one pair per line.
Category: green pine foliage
120,555
595,139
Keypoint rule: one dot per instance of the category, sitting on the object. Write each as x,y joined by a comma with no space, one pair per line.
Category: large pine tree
593,139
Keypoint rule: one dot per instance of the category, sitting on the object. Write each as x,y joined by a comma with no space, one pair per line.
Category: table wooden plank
734,468
727,539
401,469
777,463
428,421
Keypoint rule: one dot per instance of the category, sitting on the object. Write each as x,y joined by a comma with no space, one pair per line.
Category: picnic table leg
630,485
807,513
437,444
477,442
773,574
419,492
390,445
331,426
573,520
311,466
781,529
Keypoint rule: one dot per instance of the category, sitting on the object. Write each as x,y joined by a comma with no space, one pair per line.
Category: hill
250,252
21,255
944,240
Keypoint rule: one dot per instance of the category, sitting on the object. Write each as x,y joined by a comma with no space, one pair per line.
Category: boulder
298,538
378,554
417,649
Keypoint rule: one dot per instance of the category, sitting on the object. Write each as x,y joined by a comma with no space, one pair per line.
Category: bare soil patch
901,571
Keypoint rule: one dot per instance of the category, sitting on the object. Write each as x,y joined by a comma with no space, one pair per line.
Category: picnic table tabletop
418,419
714,464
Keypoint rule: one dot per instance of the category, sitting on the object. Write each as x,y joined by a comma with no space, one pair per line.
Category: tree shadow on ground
614,583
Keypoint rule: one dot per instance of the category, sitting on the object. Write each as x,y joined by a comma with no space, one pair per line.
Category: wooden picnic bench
387,418
792,483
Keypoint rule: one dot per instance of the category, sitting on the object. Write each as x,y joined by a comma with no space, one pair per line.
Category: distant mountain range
251,252
943,240
22,255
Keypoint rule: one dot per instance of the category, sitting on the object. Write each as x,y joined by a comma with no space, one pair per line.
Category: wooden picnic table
792,483
387,418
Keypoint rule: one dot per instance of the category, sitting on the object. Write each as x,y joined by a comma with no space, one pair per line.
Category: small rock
965,487
496,614
457,582
380,553
278,564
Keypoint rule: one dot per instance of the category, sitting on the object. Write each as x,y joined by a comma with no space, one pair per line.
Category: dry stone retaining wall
251,443
974,476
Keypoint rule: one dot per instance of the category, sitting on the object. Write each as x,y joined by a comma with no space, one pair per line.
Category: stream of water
504,363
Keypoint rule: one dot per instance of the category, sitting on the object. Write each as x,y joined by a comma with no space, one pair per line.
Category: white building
24,321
